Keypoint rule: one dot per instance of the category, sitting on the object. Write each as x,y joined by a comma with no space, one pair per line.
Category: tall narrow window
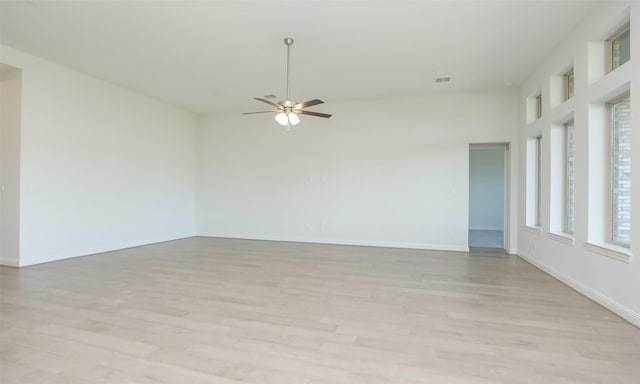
621,171
538,154
621,48
539,106
533,193
569,84
569,189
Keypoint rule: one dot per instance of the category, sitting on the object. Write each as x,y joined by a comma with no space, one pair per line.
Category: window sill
534,230
610,250
564,238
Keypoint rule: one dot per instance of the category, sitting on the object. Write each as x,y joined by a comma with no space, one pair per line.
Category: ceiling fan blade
317,114
252,113
309,103
269,102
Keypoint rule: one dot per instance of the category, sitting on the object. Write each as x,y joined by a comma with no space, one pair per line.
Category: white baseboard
100,249
605,301
365,243
486,228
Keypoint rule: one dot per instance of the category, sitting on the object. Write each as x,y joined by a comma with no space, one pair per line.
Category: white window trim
534,230
613,251
570,74
532,217
538,221
609,46
565,205
609,176
564,238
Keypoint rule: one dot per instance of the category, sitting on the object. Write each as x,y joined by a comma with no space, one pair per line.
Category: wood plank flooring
206,310
486,238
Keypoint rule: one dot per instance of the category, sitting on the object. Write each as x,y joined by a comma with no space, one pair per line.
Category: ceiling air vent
442,79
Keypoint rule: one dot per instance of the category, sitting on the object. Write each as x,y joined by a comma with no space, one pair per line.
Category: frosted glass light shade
287,118
282,118
293,118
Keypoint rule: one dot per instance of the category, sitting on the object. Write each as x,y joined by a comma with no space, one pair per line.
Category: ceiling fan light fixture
285,115
287,118
282,119
293,118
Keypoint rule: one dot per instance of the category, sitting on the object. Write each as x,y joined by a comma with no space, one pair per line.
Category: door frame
506,180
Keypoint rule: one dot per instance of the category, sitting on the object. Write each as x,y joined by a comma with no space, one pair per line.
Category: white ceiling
212,56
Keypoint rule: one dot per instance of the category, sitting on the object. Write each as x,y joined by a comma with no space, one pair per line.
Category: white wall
10,100
486,188
102,168
602,275
379,172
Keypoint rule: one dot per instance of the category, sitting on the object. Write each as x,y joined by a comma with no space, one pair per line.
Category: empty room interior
361,192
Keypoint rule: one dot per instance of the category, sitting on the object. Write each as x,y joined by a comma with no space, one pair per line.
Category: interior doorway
488,195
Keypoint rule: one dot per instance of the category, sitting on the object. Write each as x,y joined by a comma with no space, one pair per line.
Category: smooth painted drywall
102,167
388,172
486,188
611,282
10,108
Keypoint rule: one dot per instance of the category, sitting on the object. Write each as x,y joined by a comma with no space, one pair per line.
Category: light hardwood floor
205,310
486,238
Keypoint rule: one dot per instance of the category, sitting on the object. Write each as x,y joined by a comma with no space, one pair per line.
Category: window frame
569,191
538,220
538,100
609,231
569,83
611,42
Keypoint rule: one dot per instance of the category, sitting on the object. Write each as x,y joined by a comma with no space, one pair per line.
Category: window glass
569,79
569,179
539,181
621,171
621,48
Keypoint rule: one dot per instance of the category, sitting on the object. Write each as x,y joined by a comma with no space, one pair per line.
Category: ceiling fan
288,110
